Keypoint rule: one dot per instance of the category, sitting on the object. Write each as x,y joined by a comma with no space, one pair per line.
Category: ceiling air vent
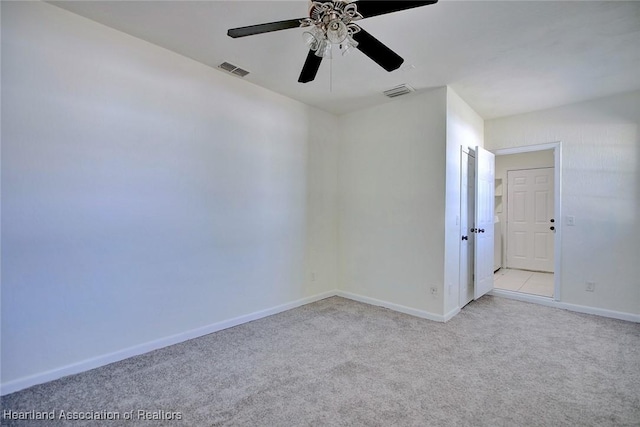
399,90
233,69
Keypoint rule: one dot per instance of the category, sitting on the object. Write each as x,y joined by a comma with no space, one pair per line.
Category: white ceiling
503,58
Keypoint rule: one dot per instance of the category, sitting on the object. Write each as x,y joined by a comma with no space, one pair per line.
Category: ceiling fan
330,23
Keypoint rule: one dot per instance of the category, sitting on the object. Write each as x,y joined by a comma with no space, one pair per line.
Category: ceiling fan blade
263,28
378,52
310,67
368,8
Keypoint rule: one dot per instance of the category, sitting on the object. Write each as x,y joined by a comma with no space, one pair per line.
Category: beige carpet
342,363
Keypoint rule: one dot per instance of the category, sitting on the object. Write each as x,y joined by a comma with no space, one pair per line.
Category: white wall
600,188
505,163
392,177
145,194
465,129
321,264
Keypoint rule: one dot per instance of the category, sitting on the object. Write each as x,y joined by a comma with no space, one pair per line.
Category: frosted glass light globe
337,31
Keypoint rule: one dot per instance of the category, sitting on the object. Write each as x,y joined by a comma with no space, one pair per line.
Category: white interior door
484,220
530,221
467,206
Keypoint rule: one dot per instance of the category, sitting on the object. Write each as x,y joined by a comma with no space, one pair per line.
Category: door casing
557,196
467,217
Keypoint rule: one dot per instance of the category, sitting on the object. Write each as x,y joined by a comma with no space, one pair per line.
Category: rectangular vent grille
233,69
399,90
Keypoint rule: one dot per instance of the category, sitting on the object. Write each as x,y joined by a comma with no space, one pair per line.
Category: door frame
466,205
557,196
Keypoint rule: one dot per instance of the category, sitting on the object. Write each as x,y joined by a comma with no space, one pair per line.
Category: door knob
552,228
473,230
552,220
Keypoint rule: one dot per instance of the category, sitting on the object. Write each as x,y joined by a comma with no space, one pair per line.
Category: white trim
519,296
451,314
96,362
557,194
557,267
526,148
116,356
392,306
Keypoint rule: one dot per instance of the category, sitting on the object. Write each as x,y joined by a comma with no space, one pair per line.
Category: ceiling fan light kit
330,23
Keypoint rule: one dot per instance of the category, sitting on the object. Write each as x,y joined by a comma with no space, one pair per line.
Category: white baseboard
452,313
392,306
96,362
630,317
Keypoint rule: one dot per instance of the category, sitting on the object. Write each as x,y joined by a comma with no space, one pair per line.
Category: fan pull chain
331,73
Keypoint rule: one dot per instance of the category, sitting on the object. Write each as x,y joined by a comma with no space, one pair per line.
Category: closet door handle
465,237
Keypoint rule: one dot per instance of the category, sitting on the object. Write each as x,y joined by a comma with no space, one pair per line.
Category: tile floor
528,282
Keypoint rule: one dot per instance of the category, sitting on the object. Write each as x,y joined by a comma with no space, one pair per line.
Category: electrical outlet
571,220
434,290
591,286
